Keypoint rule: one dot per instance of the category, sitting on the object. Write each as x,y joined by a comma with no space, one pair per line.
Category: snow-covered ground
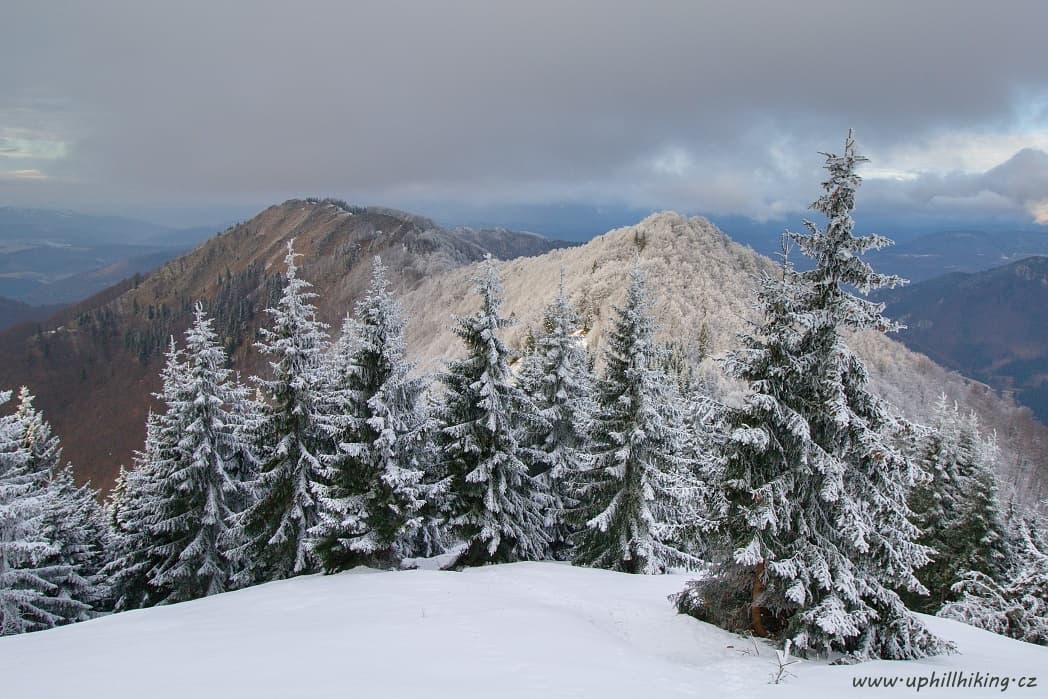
522,630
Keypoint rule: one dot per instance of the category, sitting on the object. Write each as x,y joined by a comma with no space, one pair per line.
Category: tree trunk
755,607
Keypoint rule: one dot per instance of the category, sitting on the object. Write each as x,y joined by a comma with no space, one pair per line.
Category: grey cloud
479,101
1023,178
1019,183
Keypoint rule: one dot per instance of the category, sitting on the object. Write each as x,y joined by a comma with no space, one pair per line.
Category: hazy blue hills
52,257
990,325
14,312
947,252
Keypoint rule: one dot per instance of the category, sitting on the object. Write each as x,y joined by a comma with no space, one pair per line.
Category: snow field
518,630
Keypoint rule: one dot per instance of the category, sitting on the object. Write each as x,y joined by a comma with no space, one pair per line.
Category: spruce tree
75,527
1016,605
556,377
131,512
66,574
42,446
816,523
981,524
956,507
705,428
24,584
197,489
370,509
72,523
493,505
291,440
632,497
432,536
139,547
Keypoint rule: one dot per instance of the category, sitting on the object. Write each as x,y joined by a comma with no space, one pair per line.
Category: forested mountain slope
990,325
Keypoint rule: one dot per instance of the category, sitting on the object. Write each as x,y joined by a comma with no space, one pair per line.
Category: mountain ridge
108,350
702,285
94,365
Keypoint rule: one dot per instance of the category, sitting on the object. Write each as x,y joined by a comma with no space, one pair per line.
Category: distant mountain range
95,364
50,257
990,325
919,253
14,312
948,252
70,227
57,257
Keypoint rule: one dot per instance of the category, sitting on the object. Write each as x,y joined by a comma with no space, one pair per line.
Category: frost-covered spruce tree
338,361
71,523
493,505
432,536
982,523
1018,607
817,527
74,525
137,546
291,440
634,496
705,425
556,376
131,511
427,534
197,490
24,585
373,492
956,507
42,446
64,579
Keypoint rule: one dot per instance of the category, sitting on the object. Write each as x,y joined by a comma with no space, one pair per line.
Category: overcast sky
179,111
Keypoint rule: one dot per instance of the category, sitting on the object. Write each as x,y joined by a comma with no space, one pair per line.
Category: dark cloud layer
687,104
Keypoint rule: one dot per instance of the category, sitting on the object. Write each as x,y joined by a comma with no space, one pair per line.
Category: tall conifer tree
132,512
140,548
632,498
197,489
371,509
72,524
493,504
292,440
25,586
556,377
956,507
75,527
817,524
